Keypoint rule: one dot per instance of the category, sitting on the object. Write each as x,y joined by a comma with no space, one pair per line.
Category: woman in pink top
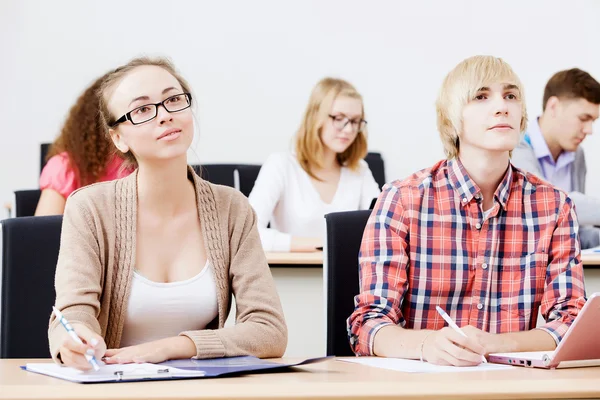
80,156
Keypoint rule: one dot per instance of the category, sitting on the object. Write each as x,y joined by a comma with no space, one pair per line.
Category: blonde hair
309,147
460,87
115,76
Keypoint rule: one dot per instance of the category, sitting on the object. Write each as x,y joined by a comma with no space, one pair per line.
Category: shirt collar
468,190
536,139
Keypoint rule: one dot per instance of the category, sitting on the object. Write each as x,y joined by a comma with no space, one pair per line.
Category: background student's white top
285,197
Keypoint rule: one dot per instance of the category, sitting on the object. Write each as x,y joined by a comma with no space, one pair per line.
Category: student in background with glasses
325,174
148,263
81,155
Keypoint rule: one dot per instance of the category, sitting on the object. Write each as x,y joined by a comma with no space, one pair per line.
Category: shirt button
464,200
484,266
479,306
478,226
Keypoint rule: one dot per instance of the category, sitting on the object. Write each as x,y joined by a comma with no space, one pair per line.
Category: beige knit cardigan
97,259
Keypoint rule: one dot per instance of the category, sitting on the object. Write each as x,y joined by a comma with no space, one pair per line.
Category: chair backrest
44,147
29,254
220,174
344,235
248,174
225,174
377,168
26,202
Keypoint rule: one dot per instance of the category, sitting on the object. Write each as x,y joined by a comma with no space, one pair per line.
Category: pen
71,332
453,325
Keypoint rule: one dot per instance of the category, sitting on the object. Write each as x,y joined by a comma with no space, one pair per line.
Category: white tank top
158,310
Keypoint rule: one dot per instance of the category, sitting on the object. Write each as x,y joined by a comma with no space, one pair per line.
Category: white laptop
580,347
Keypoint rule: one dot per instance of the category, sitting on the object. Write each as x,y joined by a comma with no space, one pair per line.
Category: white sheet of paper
106,372
399,364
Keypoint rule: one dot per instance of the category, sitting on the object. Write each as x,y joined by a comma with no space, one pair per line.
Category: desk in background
299,281
327,380
591,260
314,259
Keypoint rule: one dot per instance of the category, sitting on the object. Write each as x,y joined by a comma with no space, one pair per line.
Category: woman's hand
72,353
152,352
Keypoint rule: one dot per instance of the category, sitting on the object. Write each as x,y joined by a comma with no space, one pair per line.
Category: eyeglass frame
127,116
348,120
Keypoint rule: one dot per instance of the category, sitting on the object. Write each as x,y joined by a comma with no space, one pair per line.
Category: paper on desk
108,373
399,364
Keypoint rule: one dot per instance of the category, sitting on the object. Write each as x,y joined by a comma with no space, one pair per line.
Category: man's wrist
500,343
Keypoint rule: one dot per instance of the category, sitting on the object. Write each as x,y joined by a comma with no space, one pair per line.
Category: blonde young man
474,235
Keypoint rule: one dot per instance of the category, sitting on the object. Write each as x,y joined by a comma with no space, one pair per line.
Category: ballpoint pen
453,325
91,359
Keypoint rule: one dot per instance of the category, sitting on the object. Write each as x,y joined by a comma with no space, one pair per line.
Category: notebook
580,347
169,370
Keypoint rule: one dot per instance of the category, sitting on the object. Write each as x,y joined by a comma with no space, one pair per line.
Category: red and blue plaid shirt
428,243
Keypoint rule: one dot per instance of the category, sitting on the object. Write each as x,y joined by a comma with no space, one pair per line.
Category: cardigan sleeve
260,329
78,273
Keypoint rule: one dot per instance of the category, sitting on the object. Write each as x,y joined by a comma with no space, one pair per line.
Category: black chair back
220,174
44,148
26,202
344,235
377,168
29,254
224,174
248,174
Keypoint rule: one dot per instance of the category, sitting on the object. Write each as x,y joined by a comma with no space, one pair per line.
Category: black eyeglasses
148,112
340,122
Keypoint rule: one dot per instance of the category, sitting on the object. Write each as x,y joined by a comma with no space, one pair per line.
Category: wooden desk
328,380
314,259
591,260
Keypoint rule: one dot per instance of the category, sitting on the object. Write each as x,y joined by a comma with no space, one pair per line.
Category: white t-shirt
158,310
285,196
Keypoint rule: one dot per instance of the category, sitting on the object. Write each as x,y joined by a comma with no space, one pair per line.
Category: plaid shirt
428,243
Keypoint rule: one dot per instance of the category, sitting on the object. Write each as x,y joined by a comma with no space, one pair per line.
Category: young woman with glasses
148,263
326,173
80,156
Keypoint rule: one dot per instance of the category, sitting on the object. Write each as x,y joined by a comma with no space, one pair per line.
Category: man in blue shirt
551,146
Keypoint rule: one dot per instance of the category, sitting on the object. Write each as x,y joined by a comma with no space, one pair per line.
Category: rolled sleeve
565,289
383,262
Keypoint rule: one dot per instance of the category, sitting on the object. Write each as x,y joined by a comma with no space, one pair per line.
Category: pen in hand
91,359
453,325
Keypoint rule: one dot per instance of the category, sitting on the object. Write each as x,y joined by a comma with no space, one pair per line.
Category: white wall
253,63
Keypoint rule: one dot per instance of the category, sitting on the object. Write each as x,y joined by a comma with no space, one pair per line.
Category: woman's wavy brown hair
83,139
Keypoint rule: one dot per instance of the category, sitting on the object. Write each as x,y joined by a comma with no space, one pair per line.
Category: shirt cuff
368,332
556,329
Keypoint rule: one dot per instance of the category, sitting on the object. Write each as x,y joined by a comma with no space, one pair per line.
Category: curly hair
82,138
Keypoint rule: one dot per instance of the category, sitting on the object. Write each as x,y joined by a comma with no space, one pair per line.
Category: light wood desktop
316,258
313,258
327,380
591,260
